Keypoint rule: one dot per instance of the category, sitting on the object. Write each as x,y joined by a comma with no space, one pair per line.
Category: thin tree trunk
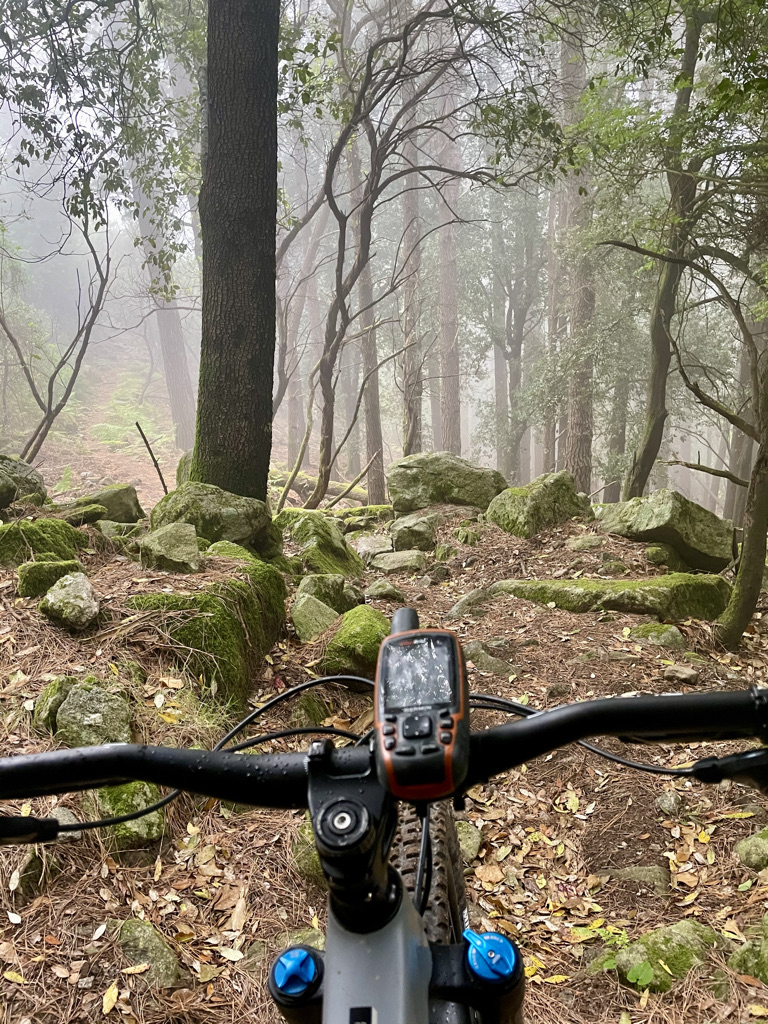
413,371
502,386
617,440
238,216
554,324
374,443
450,382
501,411
435,402
350,374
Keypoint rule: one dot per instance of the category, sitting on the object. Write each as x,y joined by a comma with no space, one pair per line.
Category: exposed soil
221,887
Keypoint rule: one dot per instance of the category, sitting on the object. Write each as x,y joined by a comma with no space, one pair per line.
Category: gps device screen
419,672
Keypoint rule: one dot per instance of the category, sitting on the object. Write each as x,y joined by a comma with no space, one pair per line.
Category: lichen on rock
383,590
658,634
26,479
49,701
90,715
172,547
142,943
311,617
415,531
546,501
24,539
400,561
678,947
306,860
71,602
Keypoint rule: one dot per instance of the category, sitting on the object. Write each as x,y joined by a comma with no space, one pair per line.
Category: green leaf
640,975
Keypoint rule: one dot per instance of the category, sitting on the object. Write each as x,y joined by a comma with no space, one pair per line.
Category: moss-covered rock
113,801
311,617
400,561
484,659
119,531
753,851
470,840
226,549
71,602
321,544
383,590
415,531
26,479
674,596
665,955
49,702
362,517
120,501
326,587
172,547
700,538
218,515
470,604
36,578
81,515
89,715
663,554
306,861
584,542
7,491
370,545
229,628
546,501
309,709
351,597
354,647
752,957
142,943
25,539
443,552
441,478
658,634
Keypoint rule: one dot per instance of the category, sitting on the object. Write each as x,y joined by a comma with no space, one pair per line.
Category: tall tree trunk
374,442
501,410
413,372
498,328
450,381
238,216
555,323
682,186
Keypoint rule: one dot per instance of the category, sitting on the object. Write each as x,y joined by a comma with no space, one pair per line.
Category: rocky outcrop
441,478
700,538
172,547
546,501
71,602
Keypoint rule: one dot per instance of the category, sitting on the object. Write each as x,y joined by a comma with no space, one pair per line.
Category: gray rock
71,602
118,531
183,467
120,500
470,840
663,554
351,597
556,691
546,501
50,700
485,660
66,817
753,851
218,515
400,561
653,876
584,542
670,802
700,538
90,715
439,573
441,478
172,547
25,478
310,617
469,604
658,634
682,674
142,943
415,531
370,545
326,587
383,590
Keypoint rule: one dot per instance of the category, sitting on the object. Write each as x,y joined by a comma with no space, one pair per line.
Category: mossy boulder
219,515
113,801
400,561
658,634
663,554
674,596
90,715
306,860
172,547
7,491
485,660
354,648
81,515
119,531
383,590
321,544
326,587
309,709
25,478
362,517
700,538
753,851
678,947
415,531
752,957
25,539
226,549
228,629
311,617
584,542
351,597
120,501
441,478
35,578
370,545
49,702
142,943
71,602
546,501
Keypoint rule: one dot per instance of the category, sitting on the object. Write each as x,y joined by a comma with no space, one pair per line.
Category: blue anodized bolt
491,956
294,971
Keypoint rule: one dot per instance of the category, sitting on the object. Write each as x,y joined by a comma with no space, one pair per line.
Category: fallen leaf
489,873
14,977
59,971
109,999
13,917
136,969
231,954
756,1010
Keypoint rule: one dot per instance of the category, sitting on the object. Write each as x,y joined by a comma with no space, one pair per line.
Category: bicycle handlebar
280,780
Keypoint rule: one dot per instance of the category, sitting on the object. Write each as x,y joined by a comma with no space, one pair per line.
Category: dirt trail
222,888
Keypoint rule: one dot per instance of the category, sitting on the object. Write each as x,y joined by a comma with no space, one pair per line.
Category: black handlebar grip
404,619
27,830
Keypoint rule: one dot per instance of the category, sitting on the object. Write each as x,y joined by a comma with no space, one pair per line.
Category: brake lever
17,830
750,768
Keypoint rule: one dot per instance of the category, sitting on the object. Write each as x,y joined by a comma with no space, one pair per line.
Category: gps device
422,712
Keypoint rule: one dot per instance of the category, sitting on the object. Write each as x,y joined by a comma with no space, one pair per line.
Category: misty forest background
533,234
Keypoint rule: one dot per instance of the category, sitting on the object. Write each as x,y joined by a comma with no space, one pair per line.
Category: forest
311,309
